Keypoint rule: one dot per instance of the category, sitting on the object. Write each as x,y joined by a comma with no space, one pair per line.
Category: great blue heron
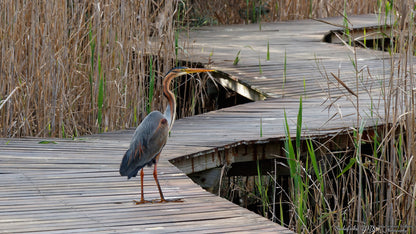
151,135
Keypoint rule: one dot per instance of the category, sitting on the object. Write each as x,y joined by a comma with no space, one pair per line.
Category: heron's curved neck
170,111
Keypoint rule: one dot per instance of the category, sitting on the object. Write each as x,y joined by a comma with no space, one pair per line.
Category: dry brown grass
242,11
58,52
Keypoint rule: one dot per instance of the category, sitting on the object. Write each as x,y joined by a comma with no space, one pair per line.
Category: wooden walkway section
309,60
74,185
329,109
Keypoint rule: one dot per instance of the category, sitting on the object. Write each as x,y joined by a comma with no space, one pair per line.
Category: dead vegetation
80,67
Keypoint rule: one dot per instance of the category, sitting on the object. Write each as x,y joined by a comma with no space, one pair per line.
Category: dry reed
252,11
79,60
369,187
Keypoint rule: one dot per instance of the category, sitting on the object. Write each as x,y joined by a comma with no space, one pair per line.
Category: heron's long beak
195,70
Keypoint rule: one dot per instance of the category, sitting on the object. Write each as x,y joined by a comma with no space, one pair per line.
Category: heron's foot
167,200
142,201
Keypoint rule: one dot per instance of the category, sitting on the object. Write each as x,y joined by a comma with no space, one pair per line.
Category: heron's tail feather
126,167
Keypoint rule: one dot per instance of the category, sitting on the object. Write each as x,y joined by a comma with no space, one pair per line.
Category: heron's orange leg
162,198
142,201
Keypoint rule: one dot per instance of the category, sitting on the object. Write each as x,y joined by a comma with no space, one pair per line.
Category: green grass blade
299,128
313,159
63,130
365,39
299,193
259,15
268,51
290,152
135,116
350,164
100,99
260,69
92,50
281,213
261,126
345,23
261,189
237,58
47,142
151,85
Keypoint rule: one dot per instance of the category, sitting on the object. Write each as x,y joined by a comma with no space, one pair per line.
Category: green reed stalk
358,156
260,69
100,99
299,190
247,11
299,128
321,207
259,16
268,51
365,39
63,130
345,23
253,12
262,189
135,120
92,40
261,126
310,8
282,220
151,85
237,58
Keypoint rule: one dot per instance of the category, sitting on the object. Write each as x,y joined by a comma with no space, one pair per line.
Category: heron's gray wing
148,140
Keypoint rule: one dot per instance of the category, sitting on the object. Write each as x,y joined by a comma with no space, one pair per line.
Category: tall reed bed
255,11
369,186
81,67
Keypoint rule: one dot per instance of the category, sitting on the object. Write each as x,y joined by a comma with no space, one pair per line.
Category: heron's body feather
148,141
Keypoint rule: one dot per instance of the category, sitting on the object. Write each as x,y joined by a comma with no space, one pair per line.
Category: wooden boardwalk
329,109
74,185
309,60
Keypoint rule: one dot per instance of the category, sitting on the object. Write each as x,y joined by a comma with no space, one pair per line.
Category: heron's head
179,71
